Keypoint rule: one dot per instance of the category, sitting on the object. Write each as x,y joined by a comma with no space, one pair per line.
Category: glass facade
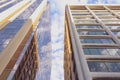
116,33
32,58
8,6
94,27
101,51
4,2
103,14
43,33
8,33
104,66
114,27
94,39
91,33
103,41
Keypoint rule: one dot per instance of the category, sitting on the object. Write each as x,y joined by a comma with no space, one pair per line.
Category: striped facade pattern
19,48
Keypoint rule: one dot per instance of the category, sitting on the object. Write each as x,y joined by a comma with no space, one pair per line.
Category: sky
57,33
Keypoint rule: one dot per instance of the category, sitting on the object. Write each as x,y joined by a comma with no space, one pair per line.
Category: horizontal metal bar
90,24
91,45
89,29
105,74
102,57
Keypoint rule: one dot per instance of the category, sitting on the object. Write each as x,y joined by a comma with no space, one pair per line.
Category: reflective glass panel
116,33
114,27
97,67
104,41
101,51
91,33
88,27
104,66
7,6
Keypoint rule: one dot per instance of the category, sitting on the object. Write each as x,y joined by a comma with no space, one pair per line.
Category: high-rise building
43,33
23,25
92,42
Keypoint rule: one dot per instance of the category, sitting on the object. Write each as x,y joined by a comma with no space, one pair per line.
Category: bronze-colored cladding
28,62
67,54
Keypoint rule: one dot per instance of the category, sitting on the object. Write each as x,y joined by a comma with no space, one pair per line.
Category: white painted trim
12,9
1,6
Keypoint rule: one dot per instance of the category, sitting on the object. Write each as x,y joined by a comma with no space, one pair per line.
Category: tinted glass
104,66
104,41
114,27
91,33
101,51
88,26
7,6
116,33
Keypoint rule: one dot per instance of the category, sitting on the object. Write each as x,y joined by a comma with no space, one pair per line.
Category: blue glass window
104,66
101,51
114,27
97,67
88,27
91,33
7,6
116,33
104,41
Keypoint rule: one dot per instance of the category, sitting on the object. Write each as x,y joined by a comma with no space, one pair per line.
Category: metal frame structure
77,17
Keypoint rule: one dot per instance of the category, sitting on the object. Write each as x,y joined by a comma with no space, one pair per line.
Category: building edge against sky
43,33
91,48
19,55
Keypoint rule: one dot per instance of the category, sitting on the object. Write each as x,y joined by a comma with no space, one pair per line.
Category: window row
95,27
114,27
104,66
104,41
92,33
103,14
101,51
116,33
